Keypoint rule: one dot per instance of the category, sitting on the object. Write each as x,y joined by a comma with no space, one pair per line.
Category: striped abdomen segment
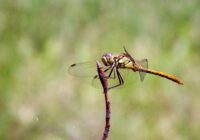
162,74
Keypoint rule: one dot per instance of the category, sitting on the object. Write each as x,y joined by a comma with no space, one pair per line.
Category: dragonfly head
107,59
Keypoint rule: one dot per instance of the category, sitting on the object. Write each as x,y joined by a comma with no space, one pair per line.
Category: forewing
85,69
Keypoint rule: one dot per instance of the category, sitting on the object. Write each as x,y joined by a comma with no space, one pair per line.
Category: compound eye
108,55
104,60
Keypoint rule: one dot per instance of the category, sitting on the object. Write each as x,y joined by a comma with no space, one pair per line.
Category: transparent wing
85,69
89,69
144,64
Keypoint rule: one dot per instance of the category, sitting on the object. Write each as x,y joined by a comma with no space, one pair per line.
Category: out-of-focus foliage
39,39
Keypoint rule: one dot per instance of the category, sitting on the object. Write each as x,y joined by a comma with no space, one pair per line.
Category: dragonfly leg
121,81
111,71
106,69
114,66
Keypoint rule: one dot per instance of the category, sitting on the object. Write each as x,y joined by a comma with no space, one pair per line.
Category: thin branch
104,83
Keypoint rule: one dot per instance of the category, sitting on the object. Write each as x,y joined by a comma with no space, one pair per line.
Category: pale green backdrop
39,39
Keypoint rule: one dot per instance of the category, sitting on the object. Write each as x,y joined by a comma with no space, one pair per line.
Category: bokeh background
39,39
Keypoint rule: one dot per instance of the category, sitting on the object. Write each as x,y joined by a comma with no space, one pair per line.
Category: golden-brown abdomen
162,74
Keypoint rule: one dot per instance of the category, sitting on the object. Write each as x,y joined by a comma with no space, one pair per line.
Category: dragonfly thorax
107,59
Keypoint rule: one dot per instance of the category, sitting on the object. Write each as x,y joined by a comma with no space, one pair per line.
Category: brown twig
104,83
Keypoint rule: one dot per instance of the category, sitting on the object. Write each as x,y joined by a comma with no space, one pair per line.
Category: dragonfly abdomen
162,74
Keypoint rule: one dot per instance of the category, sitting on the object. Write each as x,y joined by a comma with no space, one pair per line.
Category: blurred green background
39,39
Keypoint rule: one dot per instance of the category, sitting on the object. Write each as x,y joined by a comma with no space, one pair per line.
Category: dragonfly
114,63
